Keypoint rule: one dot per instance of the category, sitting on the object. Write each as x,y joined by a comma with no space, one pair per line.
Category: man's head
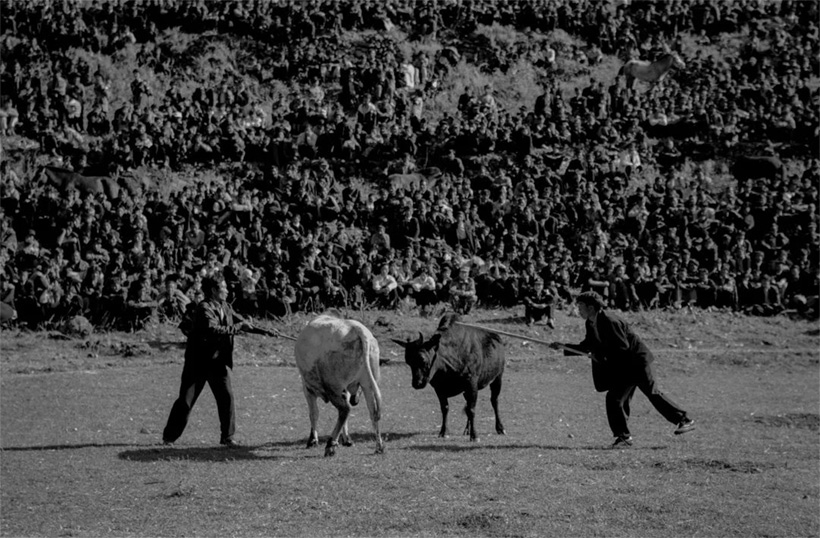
215,288
589,304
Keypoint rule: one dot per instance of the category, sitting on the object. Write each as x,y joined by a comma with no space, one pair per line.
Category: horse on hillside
651,72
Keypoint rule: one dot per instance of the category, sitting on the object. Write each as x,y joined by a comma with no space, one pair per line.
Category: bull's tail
370,381
370,386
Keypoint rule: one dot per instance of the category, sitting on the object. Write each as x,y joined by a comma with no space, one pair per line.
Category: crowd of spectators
342,192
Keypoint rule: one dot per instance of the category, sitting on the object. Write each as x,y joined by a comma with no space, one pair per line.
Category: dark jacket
618,351
211,335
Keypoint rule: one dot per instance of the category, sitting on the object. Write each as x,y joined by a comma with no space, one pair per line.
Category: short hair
211,282
590,298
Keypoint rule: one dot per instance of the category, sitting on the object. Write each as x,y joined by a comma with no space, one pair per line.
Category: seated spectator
444,282
621,290
538,304
462,292
248,301
726,289
684,290
380,240
765,298
331,293
281,296
307,289
423,287
705,289
385,288
140,304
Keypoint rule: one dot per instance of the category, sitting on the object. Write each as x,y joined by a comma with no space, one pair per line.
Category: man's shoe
230,443
686,425
622,441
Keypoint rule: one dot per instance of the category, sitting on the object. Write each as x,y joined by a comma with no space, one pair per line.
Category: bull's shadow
479,446
357,438
274,450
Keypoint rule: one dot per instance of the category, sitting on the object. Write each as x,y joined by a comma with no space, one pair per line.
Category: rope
673,350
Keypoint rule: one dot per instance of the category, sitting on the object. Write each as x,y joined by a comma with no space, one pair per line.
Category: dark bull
456,360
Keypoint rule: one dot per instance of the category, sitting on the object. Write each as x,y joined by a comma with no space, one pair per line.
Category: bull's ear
401,343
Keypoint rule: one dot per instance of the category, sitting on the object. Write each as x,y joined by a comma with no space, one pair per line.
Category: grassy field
81,419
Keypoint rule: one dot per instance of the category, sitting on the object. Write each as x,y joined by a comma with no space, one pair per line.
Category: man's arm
210,322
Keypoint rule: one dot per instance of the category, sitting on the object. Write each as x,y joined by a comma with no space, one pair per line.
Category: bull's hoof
500,430
313,442
380,448
347,442
443,434
474,439
330,449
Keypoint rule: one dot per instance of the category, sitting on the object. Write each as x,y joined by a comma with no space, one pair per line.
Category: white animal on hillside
336,357
651,72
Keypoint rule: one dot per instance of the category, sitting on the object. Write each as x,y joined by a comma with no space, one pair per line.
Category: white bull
336,357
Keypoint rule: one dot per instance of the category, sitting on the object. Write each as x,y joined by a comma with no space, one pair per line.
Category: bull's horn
421,338
402,343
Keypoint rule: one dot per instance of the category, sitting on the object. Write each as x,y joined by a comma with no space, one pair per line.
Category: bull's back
332,352
470,355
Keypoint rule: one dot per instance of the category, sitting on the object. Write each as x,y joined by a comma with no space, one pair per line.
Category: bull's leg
345,437
342,403
373,397
445,408
353,397
495,390
471,397
313,412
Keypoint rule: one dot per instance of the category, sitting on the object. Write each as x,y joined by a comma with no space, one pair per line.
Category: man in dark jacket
621,363
208,358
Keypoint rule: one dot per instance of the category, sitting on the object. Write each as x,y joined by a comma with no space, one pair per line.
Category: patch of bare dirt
805,421
745,467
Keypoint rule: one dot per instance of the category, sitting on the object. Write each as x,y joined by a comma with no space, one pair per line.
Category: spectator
492,178
385,288
462,292
423,287
538,304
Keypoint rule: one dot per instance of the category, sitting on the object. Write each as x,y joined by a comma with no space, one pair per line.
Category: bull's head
420,356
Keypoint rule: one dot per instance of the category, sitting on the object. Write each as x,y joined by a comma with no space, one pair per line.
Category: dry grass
80,456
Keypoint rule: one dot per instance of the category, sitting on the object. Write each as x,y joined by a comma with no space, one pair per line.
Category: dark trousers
537,314
619,396
193,381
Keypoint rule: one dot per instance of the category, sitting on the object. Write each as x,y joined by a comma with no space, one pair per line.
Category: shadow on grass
62,447
499,321
479,446
357,438
211,453
164,345
264,451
